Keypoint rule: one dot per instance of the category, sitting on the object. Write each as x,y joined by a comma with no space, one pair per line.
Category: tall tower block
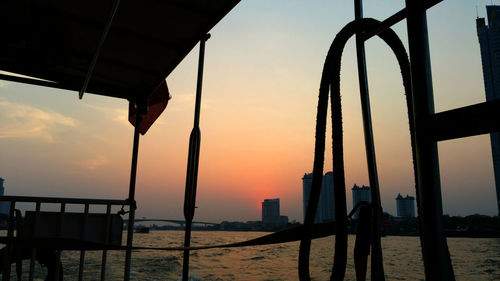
4,205
326,205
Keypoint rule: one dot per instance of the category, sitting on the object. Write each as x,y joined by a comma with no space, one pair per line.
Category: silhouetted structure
405,206
326,205
489,40
360,194
271,213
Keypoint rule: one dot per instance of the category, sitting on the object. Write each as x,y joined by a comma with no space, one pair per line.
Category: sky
262,70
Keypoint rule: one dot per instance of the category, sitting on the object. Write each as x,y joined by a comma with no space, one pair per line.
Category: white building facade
326,205
405,206
360,194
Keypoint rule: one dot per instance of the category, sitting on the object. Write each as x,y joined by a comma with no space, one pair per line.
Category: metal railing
13,252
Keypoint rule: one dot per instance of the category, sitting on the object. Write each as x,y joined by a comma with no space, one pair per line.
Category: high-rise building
360,194
489,41
306,191
4,205
271,212
326,205
405,206
270,209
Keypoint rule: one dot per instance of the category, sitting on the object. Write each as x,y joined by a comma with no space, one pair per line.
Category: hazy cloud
186,102
3,83
25,121
119,115
93,163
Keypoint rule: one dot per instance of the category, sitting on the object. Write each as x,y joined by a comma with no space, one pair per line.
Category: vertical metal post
193,159
434,247
10,246
140,112
84,234
377,268
58,252
105,252
33,251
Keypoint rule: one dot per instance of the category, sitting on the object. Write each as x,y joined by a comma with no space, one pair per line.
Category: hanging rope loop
330,83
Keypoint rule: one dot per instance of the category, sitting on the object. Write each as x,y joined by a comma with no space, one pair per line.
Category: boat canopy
122,49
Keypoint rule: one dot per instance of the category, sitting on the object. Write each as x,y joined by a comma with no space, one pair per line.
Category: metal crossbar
392,20
430,127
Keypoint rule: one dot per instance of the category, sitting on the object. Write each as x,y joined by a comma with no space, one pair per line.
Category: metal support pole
435,253
58,270
377,268
105,252
193,159
33,250
84,235
10,246
140,112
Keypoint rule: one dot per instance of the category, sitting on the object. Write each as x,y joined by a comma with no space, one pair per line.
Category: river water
473,259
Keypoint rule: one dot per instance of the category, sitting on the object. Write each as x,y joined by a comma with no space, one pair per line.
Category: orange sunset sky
262,71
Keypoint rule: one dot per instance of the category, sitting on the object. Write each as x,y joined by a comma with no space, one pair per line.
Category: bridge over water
180,222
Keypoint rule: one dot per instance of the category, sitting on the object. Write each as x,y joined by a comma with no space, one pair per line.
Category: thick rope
53,243
330,81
